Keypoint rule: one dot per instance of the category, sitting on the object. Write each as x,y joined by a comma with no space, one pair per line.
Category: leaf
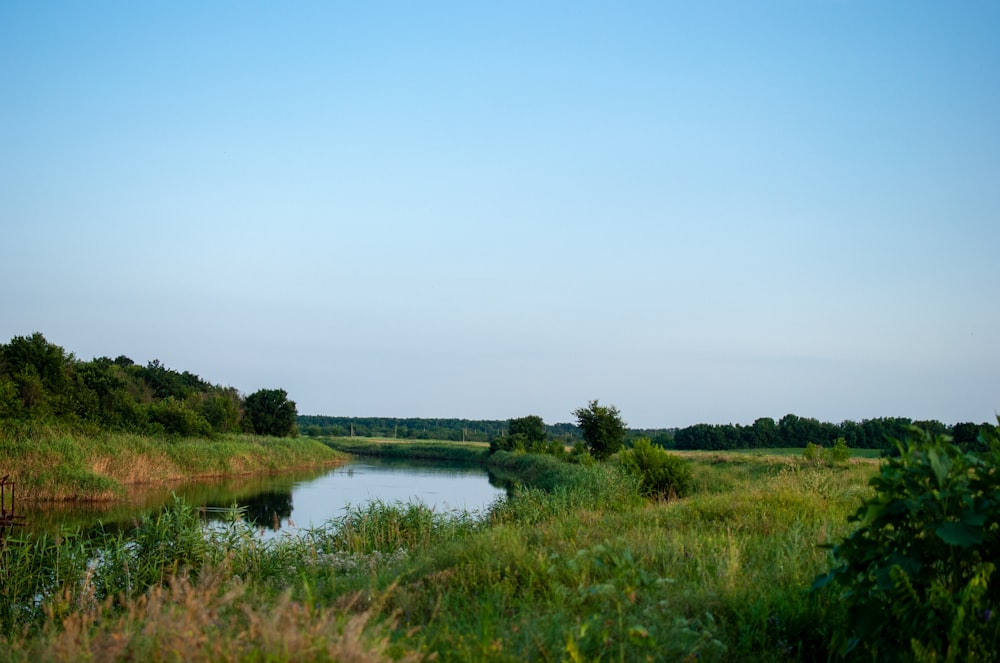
940,465
973,518
960,534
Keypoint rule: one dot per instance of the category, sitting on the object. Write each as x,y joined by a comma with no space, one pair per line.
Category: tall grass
574,565
211,619
58,463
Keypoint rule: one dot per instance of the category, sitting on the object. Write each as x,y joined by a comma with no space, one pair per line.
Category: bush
177,418
918,574
839,453
660,473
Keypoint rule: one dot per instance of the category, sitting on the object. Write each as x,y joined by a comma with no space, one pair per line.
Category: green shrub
917,576
177,418
660,473
839,453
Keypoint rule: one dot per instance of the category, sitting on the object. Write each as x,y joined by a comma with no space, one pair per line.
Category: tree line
415,428
531,432
794,431
40,381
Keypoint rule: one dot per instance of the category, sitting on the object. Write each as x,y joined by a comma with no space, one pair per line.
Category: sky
699,212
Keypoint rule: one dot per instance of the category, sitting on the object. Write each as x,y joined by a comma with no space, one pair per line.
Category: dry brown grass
204,621
53,464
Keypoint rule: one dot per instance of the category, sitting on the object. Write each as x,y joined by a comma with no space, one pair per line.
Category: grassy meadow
55,463
572,566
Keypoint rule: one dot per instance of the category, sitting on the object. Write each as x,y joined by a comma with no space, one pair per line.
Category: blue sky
696,211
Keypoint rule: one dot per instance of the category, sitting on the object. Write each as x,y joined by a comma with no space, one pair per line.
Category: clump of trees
527,434
40,381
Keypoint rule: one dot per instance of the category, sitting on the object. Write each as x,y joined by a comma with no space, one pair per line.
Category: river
288,503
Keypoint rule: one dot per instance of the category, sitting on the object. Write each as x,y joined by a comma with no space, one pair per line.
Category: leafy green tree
176,418
531,427
965,435
602,427
39,370
523,434
764,433
269,412
222,408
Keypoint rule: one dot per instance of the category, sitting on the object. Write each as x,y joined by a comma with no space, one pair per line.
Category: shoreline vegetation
576,563
54,463
608,547
573,565
436,450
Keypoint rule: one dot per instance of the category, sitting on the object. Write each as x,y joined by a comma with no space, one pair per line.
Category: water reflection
289,502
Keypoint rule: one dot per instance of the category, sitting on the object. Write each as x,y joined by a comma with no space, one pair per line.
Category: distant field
787,452
443,450
379,446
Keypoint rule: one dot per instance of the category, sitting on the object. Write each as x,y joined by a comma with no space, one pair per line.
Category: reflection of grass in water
49,517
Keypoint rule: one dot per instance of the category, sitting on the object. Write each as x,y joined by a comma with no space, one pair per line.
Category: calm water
291,502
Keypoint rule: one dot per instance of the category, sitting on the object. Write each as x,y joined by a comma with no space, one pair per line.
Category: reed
209,619
58,463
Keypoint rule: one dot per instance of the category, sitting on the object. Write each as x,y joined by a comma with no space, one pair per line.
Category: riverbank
54,463
438,450
572,566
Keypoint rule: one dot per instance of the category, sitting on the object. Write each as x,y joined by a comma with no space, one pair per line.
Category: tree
531,429
602,427
523,434
39,371
269,412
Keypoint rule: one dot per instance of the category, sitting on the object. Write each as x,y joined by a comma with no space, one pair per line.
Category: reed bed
56,463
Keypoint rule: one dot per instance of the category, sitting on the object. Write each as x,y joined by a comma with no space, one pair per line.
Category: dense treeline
468,430
402,428
791,431
795,431
40,381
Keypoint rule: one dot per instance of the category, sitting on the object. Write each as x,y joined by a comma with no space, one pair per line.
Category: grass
55,463
784,452
438,450
572,566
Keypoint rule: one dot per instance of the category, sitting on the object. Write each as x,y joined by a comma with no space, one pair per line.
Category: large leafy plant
918,576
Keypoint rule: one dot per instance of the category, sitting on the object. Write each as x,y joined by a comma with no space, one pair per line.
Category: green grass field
789,452
575,566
